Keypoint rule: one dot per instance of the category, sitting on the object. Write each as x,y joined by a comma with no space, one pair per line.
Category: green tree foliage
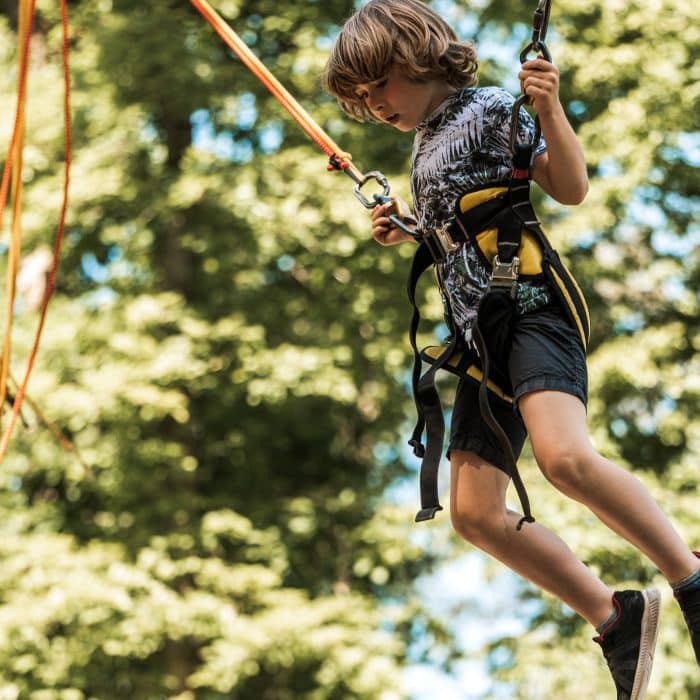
227,351
214,351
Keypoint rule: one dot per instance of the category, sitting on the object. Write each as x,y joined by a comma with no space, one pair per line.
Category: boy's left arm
561,169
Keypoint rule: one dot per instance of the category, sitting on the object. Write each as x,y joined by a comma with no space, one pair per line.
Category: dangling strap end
523,520
418,447
427,513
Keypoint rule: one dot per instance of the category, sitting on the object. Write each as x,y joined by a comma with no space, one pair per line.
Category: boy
399,63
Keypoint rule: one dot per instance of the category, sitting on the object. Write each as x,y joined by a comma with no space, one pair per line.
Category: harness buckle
440,242
505,275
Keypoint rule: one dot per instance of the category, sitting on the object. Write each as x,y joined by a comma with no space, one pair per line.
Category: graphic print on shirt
464,144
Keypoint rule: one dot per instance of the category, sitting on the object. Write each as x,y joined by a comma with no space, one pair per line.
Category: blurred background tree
227,351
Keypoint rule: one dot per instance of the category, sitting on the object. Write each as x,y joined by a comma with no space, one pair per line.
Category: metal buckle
440,242
505,275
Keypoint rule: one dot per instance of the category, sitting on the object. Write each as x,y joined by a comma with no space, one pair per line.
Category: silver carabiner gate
378,197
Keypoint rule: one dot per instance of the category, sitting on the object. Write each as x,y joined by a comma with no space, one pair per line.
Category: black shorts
546,355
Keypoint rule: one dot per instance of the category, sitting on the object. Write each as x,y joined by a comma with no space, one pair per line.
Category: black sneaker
690,605
628,645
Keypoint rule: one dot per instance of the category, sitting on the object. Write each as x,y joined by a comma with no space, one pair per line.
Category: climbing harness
499,221
12,169
337,158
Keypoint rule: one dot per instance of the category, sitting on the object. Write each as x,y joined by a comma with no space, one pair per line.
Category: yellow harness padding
530,250
432,354
531,259
564,290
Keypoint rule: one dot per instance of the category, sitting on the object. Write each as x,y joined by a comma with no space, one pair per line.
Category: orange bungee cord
13,167
12,173
338,159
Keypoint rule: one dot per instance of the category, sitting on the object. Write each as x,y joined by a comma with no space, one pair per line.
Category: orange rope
13,168
262,73
51,281
60,436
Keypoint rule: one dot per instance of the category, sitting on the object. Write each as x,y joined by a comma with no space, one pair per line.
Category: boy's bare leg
556,423
479,514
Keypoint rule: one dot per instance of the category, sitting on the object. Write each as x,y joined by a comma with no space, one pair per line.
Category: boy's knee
564,467
477,525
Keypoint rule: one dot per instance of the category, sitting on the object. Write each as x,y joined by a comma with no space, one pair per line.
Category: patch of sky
636,411
99,298
643,211
456,592
609,167
285,263
13,483
619,427
464,23
100,274
325,43
222,144
578,108
148,132
97,271
249,37
631,323
644,214
687,149
587,238
254,21
247,112
679,246
681,204
270,137
674,288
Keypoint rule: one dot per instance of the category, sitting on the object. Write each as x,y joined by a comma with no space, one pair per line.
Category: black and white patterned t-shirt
464,144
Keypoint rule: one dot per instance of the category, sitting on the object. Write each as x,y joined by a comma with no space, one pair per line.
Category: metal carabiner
378,197
540,21
540,24
381,180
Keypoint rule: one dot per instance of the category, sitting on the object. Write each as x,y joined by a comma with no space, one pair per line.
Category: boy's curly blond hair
403,33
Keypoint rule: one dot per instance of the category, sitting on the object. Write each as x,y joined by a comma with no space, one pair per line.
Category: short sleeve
497,125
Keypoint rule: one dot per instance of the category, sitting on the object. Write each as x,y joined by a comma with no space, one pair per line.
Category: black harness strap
495,426
427,399
497,213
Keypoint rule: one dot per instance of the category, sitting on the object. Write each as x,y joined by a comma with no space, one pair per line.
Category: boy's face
402,102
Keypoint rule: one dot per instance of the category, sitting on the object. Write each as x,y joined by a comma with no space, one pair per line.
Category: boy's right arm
383,231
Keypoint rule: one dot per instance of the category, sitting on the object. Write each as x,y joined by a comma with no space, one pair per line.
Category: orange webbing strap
51,280
279,92
13,170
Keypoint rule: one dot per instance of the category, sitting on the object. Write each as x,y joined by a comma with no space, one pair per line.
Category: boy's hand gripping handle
399,214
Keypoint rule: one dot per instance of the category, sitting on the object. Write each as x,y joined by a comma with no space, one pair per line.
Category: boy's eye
364,94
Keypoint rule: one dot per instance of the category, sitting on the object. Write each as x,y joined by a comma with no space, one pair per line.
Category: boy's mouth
392,119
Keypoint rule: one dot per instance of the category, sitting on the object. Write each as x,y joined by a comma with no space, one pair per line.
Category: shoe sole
647,642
